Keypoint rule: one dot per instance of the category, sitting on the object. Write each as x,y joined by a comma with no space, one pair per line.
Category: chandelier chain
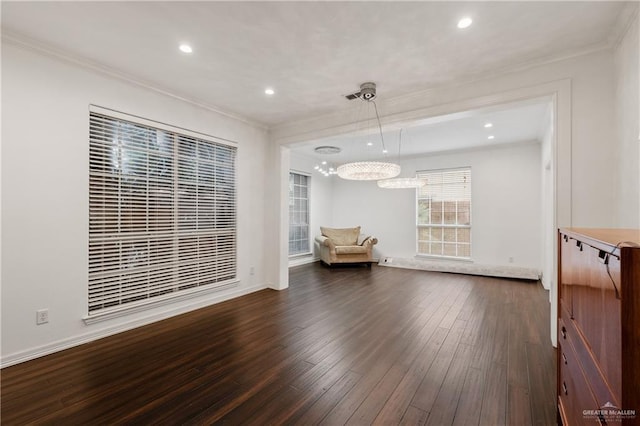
375,106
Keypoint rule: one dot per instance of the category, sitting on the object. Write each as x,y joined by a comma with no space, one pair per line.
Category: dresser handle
563,331
564,358
603,256
564,388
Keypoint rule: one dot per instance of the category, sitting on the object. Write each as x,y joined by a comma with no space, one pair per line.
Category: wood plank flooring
348,345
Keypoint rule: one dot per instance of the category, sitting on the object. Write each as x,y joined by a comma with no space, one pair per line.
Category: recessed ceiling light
384,151
464,22
324,162
369,143
269,91
186,48
491,137
487,125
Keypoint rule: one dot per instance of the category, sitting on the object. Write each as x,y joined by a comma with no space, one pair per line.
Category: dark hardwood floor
348,345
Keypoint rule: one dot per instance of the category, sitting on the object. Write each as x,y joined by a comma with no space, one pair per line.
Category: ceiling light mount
367,92
327,150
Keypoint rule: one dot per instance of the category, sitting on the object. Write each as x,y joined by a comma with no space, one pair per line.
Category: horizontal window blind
444,213
162,213
298,213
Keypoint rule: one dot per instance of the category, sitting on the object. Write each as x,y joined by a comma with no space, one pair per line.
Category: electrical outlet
252,270
511,260
42,316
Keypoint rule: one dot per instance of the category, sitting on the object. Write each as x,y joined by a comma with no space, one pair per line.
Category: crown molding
627,16
489,147
29,44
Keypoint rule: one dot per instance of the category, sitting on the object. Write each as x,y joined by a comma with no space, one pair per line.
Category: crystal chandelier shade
368,170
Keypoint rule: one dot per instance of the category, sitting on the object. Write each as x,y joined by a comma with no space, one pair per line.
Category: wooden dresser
599,326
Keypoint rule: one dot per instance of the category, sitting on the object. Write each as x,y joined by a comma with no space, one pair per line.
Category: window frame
443,226
292,197
216,219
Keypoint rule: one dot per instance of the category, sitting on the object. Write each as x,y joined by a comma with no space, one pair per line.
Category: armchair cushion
351,250
342,237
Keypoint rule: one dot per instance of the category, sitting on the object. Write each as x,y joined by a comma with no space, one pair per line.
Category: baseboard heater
462,268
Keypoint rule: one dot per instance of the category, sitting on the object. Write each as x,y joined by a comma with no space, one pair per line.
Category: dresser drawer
574,392
601,388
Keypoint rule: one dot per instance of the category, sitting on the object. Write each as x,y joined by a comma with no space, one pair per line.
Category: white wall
45,124
505,205
320,202
627,135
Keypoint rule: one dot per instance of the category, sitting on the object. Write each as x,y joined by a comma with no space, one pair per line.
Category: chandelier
369,170
326,168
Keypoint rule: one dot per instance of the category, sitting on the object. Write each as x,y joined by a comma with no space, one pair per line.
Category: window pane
449,234
463,235
449,212
436,234
423,212
449,249
436,212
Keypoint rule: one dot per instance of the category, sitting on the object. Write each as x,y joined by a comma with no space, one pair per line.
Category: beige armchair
345,245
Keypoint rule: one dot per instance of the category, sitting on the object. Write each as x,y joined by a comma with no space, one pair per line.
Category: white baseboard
462,268
37,352
302,261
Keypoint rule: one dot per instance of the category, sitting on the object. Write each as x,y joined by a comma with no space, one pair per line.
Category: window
444,213
162,212
298,214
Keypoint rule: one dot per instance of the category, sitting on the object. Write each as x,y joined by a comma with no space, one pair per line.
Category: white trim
624,22
299,172
147,304
303,261
63,344
305,254
433,257
120,115
26,43
502,271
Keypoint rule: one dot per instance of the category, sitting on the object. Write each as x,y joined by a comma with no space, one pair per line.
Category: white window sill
455,259
148,304
297,255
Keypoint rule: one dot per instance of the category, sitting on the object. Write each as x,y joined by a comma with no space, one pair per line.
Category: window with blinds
298,214
162,213
444,213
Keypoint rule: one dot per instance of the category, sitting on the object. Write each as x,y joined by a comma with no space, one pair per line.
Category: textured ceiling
311,53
